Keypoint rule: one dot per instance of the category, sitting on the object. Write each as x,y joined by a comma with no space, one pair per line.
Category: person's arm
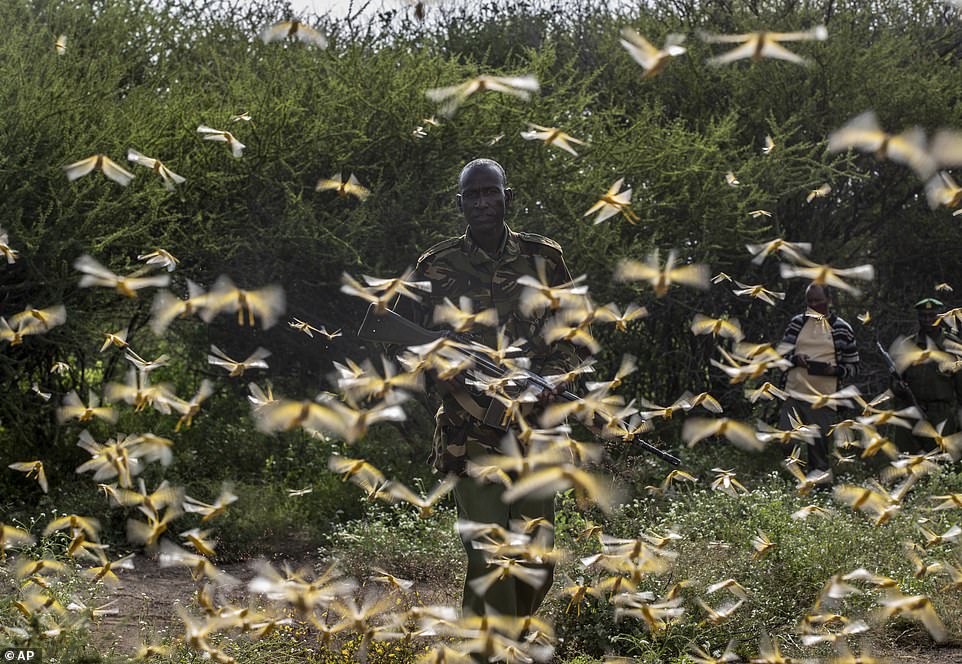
846,350
790,338
956,378
957,384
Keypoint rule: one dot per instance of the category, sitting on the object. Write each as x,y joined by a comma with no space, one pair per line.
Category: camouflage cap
928,304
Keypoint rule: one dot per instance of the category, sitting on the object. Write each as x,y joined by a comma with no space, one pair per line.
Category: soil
146,603
149,593
950,655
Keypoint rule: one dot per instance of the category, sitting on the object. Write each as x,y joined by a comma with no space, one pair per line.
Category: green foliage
717,530
396,539
70,641
145,77
145,74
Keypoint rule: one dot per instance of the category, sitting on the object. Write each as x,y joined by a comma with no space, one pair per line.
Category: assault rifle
902,385
392,328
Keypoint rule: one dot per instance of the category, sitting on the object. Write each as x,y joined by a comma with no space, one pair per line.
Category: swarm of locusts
539,457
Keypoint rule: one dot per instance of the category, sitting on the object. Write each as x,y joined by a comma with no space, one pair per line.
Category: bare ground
950,655
149,593
146,603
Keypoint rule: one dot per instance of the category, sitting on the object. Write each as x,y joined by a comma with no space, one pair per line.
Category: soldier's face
483,200
927,318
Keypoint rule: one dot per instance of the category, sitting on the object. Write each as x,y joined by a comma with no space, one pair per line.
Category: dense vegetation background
145,75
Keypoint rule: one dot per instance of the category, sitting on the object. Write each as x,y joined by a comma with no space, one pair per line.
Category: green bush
146,74
717,530
395,538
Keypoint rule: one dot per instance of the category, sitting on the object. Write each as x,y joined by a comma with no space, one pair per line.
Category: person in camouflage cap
938,392
484,265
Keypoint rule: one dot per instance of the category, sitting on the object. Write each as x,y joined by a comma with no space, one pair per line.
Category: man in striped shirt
823,353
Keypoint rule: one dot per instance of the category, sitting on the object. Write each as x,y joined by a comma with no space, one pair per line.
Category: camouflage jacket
928,382
459,267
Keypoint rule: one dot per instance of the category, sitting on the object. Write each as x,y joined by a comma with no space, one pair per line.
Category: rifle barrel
895,373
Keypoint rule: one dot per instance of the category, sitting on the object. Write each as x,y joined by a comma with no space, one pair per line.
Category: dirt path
146,603
149,593
929,656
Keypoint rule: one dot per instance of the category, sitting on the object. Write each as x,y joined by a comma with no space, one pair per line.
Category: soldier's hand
901,388
550,396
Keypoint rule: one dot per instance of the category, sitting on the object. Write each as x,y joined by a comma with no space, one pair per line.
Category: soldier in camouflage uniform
484,264
938,392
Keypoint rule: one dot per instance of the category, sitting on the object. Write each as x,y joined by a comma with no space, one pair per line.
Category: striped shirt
843,336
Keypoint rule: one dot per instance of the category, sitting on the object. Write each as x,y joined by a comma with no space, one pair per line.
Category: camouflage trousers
935,412
454,428
483,502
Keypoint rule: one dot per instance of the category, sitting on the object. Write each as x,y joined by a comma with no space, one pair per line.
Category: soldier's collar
937,336
509,249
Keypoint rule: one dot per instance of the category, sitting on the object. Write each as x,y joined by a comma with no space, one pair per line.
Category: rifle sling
464,399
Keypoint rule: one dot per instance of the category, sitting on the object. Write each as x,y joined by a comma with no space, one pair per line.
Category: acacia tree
140,75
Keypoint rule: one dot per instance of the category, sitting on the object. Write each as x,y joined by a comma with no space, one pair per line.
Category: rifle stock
392,328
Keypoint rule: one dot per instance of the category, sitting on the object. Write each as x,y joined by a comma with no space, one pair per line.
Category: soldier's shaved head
483,199
482,163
